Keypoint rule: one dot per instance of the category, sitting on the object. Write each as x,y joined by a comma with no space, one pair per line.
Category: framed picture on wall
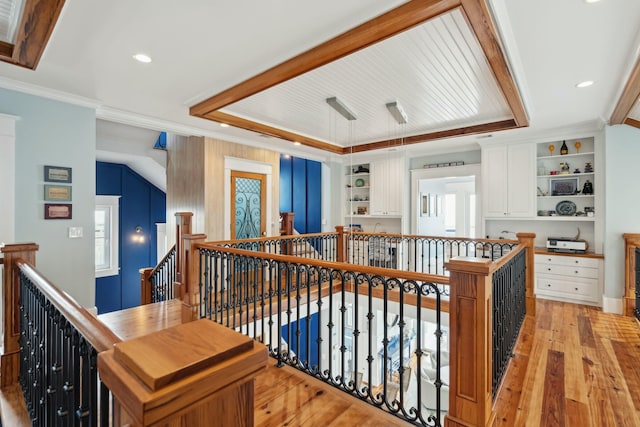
57,193
424,204
57,211
57,174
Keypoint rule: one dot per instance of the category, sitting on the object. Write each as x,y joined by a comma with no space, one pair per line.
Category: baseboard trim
612,305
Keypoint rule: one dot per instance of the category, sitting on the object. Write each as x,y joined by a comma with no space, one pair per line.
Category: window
106,225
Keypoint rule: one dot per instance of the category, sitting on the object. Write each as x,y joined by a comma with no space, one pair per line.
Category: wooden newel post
341,255
527,240
10,357
470,323
191,277
183,227
631,242
145,285
195,374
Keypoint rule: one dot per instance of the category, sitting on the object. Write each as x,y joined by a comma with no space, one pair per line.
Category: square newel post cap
170,370
467,264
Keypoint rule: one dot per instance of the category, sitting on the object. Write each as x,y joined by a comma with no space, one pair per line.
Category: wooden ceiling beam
628,98
450,133
34,29
480,21
377,29
632,122
250,125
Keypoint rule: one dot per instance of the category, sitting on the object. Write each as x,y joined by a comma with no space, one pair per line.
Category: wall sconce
138,236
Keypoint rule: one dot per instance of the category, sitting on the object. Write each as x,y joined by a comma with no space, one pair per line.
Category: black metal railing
636,311
58,365
421,254
376,337
509,310
163,277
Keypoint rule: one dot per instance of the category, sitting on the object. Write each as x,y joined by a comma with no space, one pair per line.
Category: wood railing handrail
271,238
354,268
365,234
94,331
154,270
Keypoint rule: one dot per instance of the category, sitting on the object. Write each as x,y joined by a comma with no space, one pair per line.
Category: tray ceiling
437,71
445,68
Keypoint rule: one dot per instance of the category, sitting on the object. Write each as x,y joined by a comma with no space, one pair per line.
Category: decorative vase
564,150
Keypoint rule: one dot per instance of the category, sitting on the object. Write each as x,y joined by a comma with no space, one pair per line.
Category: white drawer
585,289
567,260
567,270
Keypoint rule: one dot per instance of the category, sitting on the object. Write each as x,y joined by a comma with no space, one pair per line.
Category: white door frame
447,172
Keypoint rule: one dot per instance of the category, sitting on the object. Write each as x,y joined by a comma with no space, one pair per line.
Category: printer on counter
567,245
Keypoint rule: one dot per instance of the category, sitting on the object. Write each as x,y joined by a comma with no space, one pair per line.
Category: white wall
622,201
7,178
55,133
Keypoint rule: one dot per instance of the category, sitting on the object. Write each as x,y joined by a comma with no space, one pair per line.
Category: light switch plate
75,232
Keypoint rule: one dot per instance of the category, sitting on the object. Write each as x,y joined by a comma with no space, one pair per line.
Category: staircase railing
360,328
156,284
74,371
55,349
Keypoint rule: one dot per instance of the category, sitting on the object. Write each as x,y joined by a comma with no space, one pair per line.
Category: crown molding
44,92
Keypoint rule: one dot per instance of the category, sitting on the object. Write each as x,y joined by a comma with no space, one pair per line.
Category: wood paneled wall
185,182
195,182
215,152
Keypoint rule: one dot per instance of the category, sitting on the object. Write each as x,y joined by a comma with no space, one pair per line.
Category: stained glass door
248,203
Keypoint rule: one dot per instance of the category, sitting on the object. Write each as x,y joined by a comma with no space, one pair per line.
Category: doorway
248,205
445,201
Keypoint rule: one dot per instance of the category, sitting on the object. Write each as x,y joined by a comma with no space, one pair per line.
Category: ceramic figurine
588,168
577,170
587,188
564,149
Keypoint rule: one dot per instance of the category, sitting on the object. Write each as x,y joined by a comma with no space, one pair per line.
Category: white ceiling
201,47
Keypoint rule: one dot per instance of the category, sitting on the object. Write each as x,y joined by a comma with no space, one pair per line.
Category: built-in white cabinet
508,173
387,186
568,277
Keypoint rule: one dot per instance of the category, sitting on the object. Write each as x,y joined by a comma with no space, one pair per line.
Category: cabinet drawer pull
577,261
577,272
549,269
549,285
576,289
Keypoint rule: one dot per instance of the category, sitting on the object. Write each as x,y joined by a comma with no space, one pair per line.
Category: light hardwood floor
574,366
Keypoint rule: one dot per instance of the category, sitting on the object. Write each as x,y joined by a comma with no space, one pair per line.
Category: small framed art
57,211
57,174
57,193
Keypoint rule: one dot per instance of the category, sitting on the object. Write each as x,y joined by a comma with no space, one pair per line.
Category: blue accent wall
289,335
141,204
301,192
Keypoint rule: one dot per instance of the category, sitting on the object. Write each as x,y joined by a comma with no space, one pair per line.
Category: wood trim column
341,249
631,242
527,239
470,323
145,286
10,357
183,227
191,277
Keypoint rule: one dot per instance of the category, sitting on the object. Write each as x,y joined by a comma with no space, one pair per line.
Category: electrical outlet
75,232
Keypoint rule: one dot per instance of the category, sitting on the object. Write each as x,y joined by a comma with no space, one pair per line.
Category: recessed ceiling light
224,125
591,1
141,57
296,143
585,83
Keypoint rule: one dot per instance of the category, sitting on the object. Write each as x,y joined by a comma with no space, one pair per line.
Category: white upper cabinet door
508,176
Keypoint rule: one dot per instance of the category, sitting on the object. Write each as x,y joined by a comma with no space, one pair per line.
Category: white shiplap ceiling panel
10,11
436,71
